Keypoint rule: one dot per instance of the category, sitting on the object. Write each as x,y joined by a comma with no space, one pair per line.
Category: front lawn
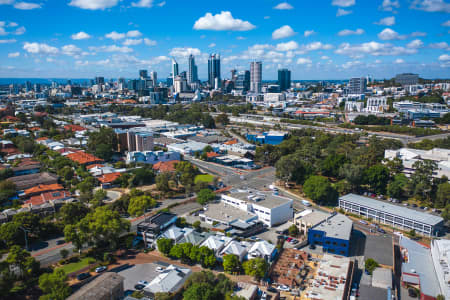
73,267
208,178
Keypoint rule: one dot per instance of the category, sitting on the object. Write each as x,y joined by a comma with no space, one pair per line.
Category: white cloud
316,46
284,6
80,36
372,48
346,32
38,48
94,4
12,24
134,33
283,32
304,61
440,45
222,21
111,48
415,44
388,34
26,5
343,3
308,33
266,17
431,5
342,12
71,50
351,64
132,42
324,57
10,41
388,21
212,45
184,51
289,46
399,61
19,31
389,5
142,3
7,2
418,33
115,35
444,57
161,4
149,42
241,38
13,54
446,24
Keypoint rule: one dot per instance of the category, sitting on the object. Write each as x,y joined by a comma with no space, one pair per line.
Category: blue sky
321,39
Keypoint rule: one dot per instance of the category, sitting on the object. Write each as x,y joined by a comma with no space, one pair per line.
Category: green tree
422,178
446,212
293,168
26,264
331,164
139,204
7,190
231,264
395,166
162,182
205,196
443,195
223,119
11,234
371,265
54,285
164,245
377,178
353,173
103,143
319,189
71,213
100,228
398,187
197,225
256,267
293,230
64,253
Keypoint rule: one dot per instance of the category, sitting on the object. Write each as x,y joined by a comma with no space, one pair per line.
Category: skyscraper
255,76
284,79
192,75
174,69
214,70
154,77
243,81
143,74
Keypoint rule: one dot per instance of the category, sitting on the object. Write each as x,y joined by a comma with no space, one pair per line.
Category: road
272,121
48,252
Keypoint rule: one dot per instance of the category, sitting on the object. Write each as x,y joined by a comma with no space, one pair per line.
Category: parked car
143,282
289,239
414,205
100,269
381,230
160,269
363,222
283,288
60,242
272,289
294,241
312,246
139,287
83,276
263,296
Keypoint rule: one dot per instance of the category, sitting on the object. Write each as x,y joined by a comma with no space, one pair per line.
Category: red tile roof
44,138
11,118
212,154
108,178
72,127
165,166
231,142
46,197
83,158
43,188
94,165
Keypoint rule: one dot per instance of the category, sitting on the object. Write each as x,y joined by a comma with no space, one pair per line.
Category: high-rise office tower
243,81
174,69
143,74
100,80
192,75
214,70
284,79
154,77
357,85
233,74
255,76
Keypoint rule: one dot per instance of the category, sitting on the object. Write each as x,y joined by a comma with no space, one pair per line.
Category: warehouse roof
393,209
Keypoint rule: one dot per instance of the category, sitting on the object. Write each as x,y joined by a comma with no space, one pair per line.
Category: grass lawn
204,178
73,267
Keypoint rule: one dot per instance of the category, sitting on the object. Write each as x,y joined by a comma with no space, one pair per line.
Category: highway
272,121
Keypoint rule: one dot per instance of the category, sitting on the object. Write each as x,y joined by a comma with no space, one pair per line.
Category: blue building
333,234
271,137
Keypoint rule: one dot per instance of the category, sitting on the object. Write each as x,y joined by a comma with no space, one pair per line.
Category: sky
320,39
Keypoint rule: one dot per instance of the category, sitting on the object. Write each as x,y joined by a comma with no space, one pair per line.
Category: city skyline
346,38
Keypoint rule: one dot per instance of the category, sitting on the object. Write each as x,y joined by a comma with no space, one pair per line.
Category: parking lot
184,209
136,273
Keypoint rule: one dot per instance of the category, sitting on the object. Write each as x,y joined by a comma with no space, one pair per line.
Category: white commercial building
409,156
376,104
269,208
151,157
440,253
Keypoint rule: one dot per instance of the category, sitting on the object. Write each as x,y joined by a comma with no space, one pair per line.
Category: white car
159,269
283,288
263,296
143,282
100,269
